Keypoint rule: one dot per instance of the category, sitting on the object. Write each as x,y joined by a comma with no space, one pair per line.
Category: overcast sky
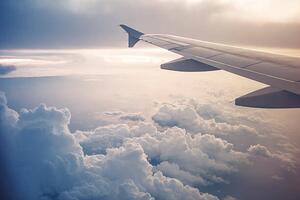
94,23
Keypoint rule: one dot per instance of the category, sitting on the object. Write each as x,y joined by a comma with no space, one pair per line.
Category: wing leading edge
281,73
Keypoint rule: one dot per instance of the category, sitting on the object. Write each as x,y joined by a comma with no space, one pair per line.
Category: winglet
133,35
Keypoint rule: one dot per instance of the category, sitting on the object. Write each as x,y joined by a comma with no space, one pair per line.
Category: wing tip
133,35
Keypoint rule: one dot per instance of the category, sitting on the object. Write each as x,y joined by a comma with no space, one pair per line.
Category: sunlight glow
256,10
29,61
267,10
92,61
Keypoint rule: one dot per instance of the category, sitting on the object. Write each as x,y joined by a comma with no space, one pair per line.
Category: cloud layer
77,24
5,69
48,162
178,155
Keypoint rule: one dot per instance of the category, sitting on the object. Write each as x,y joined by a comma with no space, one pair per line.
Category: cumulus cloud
126,173
5,69
287,159
173,170
187,116
42,154
49,163
194,160
173,158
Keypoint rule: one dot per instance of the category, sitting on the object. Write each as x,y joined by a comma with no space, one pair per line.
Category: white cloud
201,156
204,156
195,120
48,162
127,160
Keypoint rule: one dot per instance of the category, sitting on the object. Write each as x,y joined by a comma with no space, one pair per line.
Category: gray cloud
230,198
287,159
5,69
260,150
133,117
70,24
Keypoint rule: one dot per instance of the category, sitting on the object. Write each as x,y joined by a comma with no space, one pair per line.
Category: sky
82,117
93,23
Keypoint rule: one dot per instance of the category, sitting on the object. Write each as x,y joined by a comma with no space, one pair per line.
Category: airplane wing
281,73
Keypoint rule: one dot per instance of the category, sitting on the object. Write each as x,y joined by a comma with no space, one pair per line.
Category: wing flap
187,65
269,98
282,83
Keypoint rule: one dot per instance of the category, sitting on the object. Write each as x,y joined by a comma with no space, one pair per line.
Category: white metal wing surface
281,73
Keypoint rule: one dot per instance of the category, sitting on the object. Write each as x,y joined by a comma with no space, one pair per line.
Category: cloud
102,138
94,23
133,117
198,120
287,159
8,116
173,170
230,198
48,162
113,113
8,120
132,159
5,69
259,150
202,156
125,173
125,116
204,159
44,153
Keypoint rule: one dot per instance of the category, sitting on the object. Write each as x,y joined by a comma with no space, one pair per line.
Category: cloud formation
49,163
77,24
286,159
260,150
198,119
5,69
173,158
133,117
